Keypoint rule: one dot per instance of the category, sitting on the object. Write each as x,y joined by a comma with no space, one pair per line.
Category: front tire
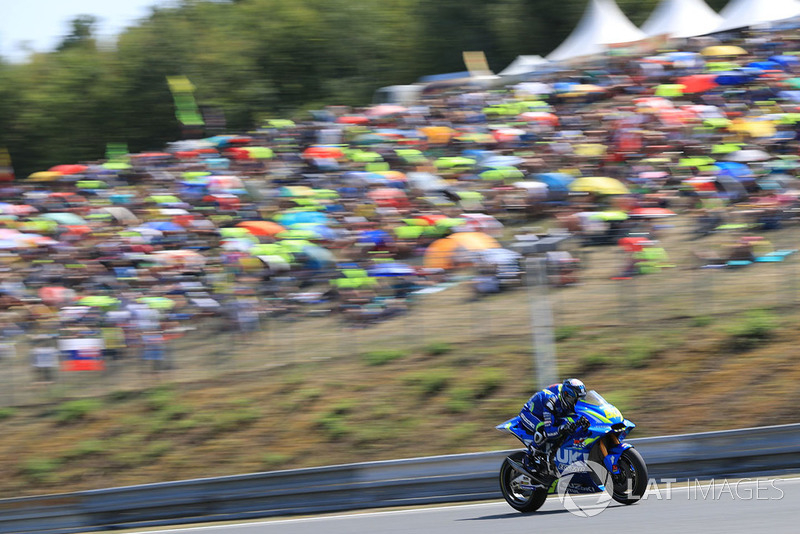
631,482
523,500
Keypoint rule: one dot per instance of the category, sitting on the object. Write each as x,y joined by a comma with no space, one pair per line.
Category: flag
81,354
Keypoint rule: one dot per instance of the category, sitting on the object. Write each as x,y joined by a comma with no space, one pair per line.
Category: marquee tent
743,13
602,24
681,18
523,65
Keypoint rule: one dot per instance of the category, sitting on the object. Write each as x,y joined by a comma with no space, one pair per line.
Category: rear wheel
521,499
631,481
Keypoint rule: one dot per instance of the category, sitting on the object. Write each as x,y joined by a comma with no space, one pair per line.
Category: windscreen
594,398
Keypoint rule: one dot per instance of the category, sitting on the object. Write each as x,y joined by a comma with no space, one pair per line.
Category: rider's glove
567,428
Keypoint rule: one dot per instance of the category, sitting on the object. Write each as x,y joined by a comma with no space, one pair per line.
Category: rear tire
631,483
523,500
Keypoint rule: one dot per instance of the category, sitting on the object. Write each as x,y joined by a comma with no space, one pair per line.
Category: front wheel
631,481
521,499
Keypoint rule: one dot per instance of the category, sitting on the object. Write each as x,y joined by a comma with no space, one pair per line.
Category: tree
82,34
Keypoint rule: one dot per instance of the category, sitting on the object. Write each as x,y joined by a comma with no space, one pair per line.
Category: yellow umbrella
599,184
725,50
44,176
754,128
590,150
670,90
437,134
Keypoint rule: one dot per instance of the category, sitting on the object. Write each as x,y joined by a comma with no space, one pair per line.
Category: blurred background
170,365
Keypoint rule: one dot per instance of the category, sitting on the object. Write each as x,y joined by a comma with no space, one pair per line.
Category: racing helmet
570,391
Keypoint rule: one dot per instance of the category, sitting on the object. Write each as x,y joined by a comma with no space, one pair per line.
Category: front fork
609,448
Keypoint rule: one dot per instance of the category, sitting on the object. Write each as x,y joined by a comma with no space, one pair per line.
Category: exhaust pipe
535,477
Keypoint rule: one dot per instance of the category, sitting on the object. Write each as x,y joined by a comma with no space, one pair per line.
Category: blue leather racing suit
543,415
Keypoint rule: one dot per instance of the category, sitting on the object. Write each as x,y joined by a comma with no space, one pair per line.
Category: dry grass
434,382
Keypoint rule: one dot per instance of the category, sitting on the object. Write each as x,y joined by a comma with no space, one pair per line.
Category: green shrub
333,421
227,421
460,400
596,360
159,398
700,321
76,410
156,449
173,412
88,447
752,328
123,395
438,349
489,380
639,353
275,459
6,413
428,383
333,425
41,469
382,357
565,332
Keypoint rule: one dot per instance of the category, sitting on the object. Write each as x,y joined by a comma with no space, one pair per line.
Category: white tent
743,13
602,24
681,18
523,65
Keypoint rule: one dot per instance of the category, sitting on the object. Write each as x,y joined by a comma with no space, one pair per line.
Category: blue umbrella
738,171
794,96
295,217
733,77
765,65
365,177
391,269
376,237
321,230
318,257
785,61
555,181
164,226
217,163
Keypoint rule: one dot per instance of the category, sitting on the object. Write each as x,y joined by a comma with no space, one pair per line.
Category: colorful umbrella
600,185
651,213
261,228
69,169
64,218
723,51
98,301
157,303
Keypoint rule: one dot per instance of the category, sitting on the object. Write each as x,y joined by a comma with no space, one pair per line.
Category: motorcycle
589,460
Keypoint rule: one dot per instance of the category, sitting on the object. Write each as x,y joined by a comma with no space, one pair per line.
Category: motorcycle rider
543,417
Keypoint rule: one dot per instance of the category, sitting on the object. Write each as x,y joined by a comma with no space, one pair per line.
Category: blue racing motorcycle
593,458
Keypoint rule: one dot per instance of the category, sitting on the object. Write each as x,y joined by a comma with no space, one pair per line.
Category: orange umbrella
539,116
321,151
68,169
261,228
699,83
437,134
352,119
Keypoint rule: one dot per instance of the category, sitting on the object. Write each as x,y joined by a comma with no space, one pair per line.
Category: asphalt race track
746,505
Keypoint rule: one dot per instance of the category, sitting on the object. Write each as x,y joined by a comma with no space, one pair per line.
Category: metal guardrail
416,481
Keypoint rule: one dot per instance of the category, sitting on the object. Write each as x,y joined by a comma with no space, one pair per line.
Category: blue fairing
610,461
604,419
514,426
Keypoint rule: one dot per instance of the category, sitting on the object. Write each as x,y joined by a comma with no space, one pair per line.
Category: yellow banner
476,63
